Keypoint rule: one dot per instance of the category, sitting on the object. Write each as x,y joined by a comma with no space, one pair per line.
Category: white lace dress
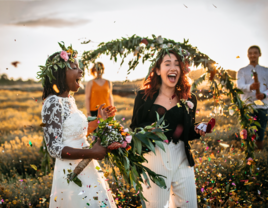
67,126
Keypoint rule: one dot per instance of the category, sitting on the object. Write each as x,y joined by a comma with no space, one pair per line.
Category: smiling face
99,72
253,55
73,76
169,70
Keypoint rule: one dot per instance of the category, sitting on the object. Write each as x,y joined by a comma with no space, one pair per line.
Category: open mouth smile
172,77
78,81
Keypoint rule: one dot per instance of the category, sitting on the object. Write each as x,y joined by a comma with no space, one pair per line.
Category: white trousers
180,181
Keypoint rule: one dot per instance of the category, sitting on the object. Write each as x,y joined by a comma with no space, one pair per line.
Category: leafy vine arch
144,49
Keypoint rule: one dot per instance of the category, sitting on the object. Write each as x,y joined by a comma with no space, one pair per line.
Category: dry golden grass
20,117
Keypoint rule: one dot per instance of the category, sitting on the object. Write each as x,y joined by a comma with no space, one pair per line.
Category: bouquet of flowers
126,152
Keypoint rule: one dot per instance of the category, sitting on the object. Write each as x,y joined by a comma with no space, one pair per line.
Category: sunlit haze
222,29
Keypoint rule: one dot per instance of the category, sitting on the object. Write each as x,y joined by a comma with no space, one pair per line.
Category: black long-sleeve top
181,123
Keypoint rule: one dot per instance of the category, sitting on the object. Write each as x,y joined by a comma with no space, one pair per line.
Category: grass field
219,156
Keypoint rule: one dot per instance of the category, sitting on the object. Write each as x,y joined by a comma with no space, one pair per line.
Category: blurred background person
98,90
249,87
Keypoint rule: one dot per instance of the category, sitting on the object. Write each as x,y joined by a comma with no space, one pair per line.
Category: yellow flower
128,148
106,174
70,51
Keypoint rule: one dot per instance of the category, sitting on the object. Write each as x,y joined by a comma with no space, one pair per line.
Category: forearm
92,126
87,104
111,99
74,154
241,82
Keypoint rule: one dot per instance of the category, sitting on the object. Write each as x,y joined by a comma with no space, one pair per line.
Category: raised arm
136,120
87,97
53,119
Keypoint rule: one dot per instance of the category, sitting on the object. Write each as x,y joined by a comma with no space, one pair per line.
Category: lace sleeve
52,116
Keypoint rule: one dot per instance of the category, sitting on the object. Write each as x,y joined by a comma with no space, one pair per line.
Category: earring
178,88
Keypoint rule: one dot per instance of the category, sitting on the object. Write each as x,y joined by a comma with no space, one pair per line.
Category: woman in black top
167,91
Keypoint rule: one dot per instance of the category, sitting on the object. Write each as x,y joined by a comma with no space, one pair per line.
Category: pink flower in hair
64,55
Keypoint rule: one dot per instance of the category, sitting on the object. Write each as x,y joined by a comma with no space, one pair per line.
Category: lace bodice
65,124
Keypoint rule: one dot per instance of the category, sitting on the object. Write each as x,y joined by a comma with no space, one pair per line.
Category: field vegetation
219,156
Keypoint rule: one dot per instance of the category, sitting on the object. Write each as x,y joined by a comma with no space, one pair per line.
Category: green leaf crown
184,54
61,59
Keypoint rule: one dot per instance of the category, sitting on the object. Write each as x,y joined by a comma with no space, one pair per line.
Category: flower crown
60,60
184,54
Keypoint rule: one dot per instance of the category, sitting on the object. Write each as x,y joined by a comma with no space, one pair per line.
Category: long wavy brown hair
153,82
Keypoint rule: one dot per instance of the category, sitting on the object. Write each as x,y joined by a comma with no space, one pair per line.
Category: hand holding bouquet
126,152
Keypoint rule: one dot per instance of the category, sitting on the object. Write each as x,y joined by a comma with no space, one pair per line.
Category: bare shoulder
109,82
89,83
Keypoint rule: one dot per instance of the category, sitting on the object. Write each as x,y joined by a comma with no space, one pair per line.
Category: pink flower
243,134
124,144
250,159
64,55
126,130
190,104
166,141
128,138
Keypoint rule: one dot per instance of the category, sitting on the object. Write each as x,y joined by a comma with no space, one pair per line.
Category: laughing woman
167,91
65,129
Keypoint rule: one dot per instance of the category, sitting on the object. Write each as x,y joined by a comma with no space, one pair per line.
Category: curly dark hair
153,82
60,81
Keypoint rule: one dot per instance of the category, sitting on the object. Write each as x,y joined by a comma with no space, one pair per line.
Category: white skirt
180,179
94,192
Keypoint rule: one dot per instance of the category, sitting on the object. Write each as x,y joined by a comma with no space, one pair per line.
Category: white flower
223,82
152,46
170,45
159,39
126,130
231,112
137,49
190,104
164,46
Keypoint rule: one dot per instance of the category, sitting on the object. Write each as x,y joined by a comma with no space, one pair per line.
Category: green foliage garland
58,61
144,49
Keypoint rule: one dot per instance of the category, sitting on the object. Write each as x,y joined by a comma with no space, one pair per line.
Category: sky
222,29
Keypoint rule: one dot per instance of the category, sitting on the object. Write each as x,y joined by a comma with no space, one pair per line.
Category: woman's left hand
106,112
198,131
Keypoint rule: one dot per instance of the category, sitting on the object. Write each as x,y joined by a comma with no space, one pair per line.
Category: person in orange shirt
98,91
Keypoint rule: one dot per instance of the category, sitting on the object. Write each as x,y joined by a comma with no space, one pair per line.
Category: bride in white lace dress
65,129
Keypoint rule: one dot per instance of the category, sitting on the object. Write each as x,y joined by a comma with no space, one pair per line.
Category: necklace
170,99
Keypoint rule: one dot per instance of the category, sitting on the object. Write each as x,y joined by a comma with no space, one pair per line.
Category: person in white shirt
246,83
